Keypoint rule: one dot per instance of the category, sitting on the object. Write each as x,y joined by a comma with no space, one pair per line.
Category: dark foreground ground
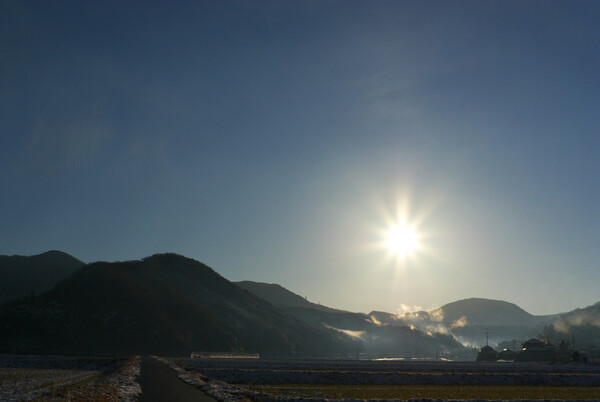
54,378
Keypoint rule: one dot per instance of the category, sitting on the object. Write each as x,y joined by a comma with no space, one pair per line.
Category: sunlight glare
402,240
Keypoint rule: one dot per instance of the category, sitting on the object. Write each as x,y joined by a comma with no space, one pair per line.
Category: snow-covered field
235,371
68,378
226,379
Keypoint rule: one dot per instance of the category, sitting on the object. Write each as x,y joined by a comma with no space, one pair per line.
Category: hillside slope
472,321
164,304
487,312
373,338
20,276
279,296
580,325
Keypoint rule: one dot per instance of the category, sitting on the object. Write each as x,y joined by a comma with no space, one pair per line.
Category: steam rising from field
431,322
350,333
374,320
587,317
461,322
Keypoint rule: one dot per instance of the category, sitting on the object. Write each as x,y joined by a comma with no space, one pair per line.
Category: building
487,354
535,350
507,354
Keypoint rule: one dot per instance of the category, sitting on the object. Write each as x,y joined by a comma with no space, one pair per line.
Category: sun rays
402,240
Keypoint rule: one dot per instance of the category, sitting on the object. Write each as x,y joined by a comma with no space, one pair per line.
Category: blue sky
277,141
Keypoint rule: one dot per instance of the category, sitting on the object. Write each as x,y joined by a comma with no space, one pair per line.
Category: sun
402,240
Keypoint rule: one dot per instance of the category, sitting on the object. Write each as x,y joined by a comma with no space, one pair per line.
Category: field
68,378
405,392
343,380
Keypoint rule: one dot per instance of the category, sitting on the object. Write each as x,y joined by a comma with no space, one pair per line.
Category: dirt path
160,383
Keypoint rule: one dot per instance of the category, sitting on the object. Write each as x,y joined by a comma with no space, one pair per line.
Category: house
507,354
487,354
533,344
535,350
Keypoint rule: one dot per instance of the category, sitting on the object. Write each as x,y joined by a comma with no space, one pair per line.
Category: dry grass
42,382
427,392
107,380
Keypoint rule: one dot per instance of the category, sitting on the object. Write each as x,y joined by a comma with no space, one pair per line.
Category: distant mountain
487,312
383,317
299,307
279,296
580,325
473,321
373,338
164,304
20,276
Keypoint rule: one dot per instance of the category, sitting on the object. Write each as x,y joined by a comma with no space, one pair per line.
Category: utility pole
487,331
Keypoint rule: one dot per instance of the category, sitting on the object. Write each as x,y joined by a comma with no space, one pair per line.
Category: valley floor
55,378
350,380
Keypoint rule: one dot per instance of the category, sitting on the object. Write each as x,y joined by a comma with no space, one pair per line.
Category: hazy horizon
282,142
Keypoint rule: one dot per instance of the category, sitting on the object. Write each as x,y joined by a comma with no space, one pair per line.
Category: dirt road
160,383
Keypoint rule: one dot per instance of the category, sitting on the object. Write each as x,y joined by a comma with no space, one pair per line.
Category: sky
280,141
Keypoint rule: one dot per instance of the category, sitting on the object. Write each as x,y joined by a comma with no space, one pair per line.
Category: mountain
22,276
473,321
373,338
170,304
299,307
469,321
488,312
279,296
478,320
164,304
580,325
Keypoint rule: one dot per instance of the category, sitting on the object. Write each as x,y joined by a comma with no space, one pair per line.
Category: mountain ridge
468,320
23,276
279,296
163,304
185,297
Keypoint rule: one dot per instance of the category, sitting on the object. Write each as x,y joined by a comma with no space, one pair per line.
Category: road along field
345,379
68,378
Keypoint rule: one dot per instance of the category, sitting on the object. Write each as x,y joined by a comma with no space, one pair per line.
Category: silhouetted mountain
488,312
470,320
383,317
165,304
498,319
372,337
279,296
21,276
170,304
581,325
299,307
